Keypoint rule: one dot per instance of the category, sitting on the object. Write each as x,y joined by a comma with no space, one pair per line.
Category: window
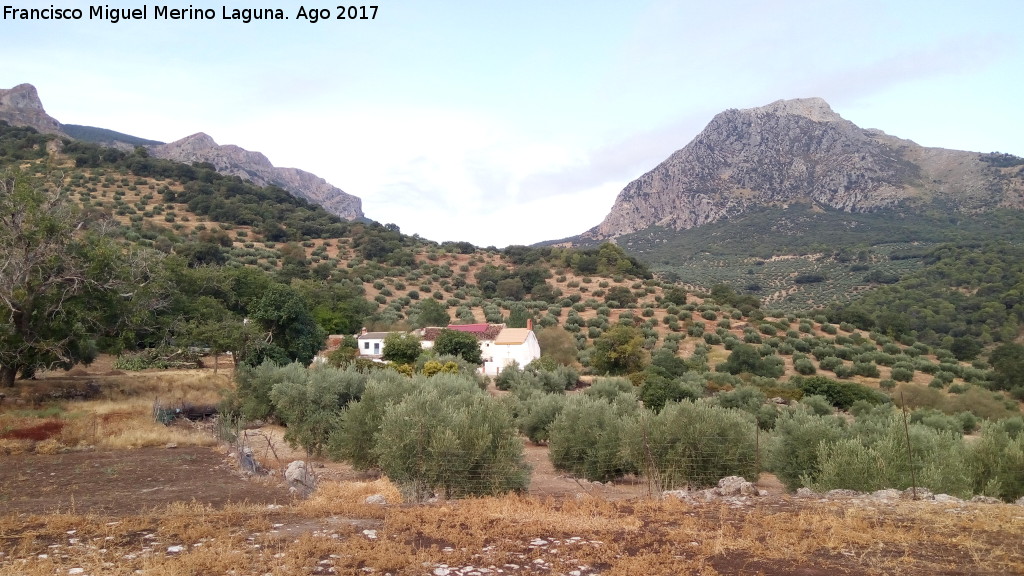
366,345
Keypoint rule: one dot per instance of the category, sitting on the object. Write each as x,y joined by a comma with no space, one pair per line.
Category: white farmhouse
517,345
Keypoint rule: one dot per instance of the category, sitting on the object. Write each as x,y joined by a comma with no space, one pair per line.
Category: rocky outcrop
800,151
21,106
256,168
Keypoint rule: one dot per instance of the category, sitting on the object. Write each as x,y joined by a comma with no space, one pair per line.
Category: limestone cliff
256,168
21,106
800,151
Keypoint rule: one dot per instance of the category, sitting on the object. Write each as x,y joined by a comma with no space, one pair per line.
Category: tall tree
620,350
290,334
57,278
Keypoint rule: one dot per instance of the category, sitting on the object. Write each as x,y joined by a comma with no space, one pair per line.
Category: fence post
910,453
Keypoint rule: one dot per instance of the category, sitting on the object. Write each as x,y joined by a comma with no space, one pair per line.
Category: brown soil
127,482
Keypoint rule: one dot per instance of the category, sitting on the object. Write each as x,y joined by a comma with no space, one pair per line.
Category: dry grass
336,532
121,418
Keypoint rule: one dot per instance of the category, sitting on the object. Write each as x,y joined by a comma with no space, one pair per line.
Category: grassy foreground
336,532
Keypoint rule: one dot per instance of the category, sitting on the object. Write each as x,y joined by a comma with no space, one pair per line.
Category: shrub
872,461
657,390
311,404
842,395
867,369
996,460
537,413
818,405
692,443
450,438
585,439
254,383
901,374
804,366
792,454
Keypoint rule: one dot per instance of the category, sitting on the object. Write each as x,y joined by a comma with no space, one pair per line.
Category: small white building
371,344
517,345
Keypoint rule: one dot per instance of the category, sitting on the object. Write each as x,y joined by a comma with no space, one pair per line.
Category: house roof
372,336
481,331
512,336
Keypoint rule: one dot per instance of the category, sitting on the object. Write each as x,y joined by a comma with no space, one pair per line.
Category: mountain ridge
801,151
21,106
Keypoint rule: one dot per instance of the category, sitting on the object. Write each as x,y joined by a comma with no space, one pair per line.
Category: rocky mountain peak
799,151
21,106
816,109
198,141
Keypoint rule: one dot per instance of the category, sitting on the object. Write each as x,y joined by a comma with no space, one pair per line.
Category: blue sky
515,122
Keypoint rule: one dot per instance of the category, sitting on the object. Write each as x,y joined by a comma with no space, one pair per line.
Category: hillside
21,106
352,275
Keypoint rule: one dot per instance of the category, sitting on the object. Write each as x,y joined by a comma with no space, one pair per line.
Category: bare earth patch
126,482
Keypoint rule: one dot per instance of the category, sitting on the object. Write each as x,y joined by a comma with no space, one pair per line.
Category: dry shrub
9,446
349,499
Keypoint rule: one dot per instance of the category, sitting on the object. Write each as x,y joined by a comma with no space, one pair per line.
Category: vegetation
169,258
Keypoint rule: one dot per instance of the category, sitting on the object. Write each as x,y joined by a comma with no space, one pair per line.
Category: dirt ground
127,481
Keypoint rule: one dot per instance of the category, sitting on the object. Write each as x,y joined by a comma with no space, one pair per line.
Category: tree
451,438
746,358
458,343
620,350
1008,366
58,277
558,344
401,348
431,313
518,316
290,333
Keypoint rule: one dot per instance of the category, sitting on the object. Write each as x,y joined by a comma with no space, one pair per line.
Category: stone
842,493
376,499
990,500
806,493
298,474
887,494
736,486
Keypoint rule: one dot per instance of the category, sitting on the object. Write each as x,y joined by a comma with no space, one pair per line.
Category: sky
499,122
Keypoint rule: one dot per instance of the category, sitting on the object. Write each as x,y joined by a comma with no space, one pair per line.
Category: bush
996,460
840,394
254,384
354,438
657,390
586,439
792,454
901,374
879,459
536,415
311,405
804,366
693,444
450,438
